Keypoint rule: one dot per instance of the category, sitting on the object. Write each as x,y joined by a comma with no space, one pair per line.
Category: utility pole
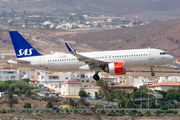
68,94
148,98
141,98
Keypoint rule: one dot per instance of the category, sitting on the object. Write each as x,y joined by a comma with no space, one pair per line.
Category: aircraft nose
171,58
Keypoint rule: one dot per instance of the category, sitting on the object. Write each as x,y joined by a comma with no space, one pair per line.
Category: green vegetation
27,105
11,111
82,93
49,105
16,86
3,111
147,114
75,111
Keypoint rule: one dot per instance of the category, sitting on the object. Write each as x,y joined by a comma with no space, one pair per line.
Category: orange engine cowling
117,68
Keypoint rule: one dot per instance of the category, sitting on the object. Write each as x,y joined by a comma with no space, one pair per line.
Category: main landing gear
96,76
152,72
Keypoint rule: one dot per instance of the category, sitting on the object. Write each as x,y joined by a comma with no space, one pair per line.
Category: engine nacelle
117,68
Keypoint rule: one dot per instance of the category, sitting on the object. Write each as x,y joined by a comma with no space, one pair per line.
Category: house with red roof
164,86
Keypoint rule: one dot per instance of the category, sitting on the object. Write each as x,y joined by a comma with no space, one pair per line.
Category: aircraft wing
87,60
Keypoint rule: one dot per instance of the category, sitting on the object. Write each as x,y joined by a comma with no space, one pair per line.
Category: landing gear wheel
96,77
152,74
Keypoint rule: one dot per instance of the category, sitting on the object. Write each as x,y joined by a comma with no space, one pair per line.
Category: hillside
162,35
146,9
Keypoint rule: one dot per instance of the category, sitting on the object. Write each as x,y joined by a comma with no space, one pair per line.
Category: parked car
46,94
55,108
52,92
92,108
164,108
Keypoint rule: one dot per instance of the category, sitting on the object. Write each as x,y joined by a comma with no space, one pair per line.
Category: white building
164,86
70,89
27,74
170,78
45,78
10,73
135,82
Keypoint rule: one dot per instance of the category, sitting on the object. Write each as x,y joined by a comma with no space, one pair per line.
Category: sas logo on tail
25,52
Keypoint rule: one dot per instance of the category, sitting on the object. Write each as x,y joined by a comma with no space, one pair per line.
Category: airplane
113,62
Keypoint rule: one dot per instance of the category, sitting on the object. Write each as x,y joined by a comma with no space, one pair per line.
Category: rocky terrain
71,116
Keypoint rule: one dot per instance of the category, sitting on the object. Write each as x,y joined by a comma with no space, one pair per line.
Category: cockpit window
163,53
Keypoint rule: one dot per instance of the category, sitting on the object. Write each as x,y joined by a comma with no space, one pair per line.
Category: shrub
97,111
75,111
40,111
99,106
165,113
139,113
112,111
27,105
158,111
46,111
113,114
10,111
175,112
122,111
59,114
22,111
27,111
169,111
102,111
57,110
82,93
132,112
37,111
120,114
117,111
70,110
49,105
3,111
30,111
93,111
62,110
84,111
66,110
109,114
147,114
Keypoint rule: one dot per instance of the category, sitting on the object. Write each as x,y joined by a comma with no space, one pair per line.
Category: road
87,109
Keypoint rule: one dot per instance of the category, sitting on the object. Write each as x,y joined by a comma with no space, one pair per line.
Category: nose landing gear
152,72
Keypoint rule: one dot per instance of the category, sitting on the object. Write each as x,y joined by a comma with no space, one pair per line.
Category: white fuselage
64,62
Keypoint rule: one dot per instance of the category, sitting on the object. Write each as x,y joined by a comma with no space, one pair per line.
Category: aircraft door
151,55
42,61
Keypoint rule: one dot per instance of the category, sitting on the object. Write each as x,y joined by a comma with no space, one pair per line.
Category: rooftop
167,83
9,68
71,82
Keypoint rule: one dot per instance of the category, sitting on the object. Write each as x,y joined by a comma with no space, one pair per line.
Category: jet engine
117,68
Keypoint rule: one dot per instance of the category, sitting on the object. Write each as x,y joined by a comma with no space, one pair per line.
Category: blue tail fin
21,46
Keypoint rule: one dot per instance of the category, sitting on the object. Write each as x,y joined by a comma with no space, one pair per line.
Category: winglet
69,48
